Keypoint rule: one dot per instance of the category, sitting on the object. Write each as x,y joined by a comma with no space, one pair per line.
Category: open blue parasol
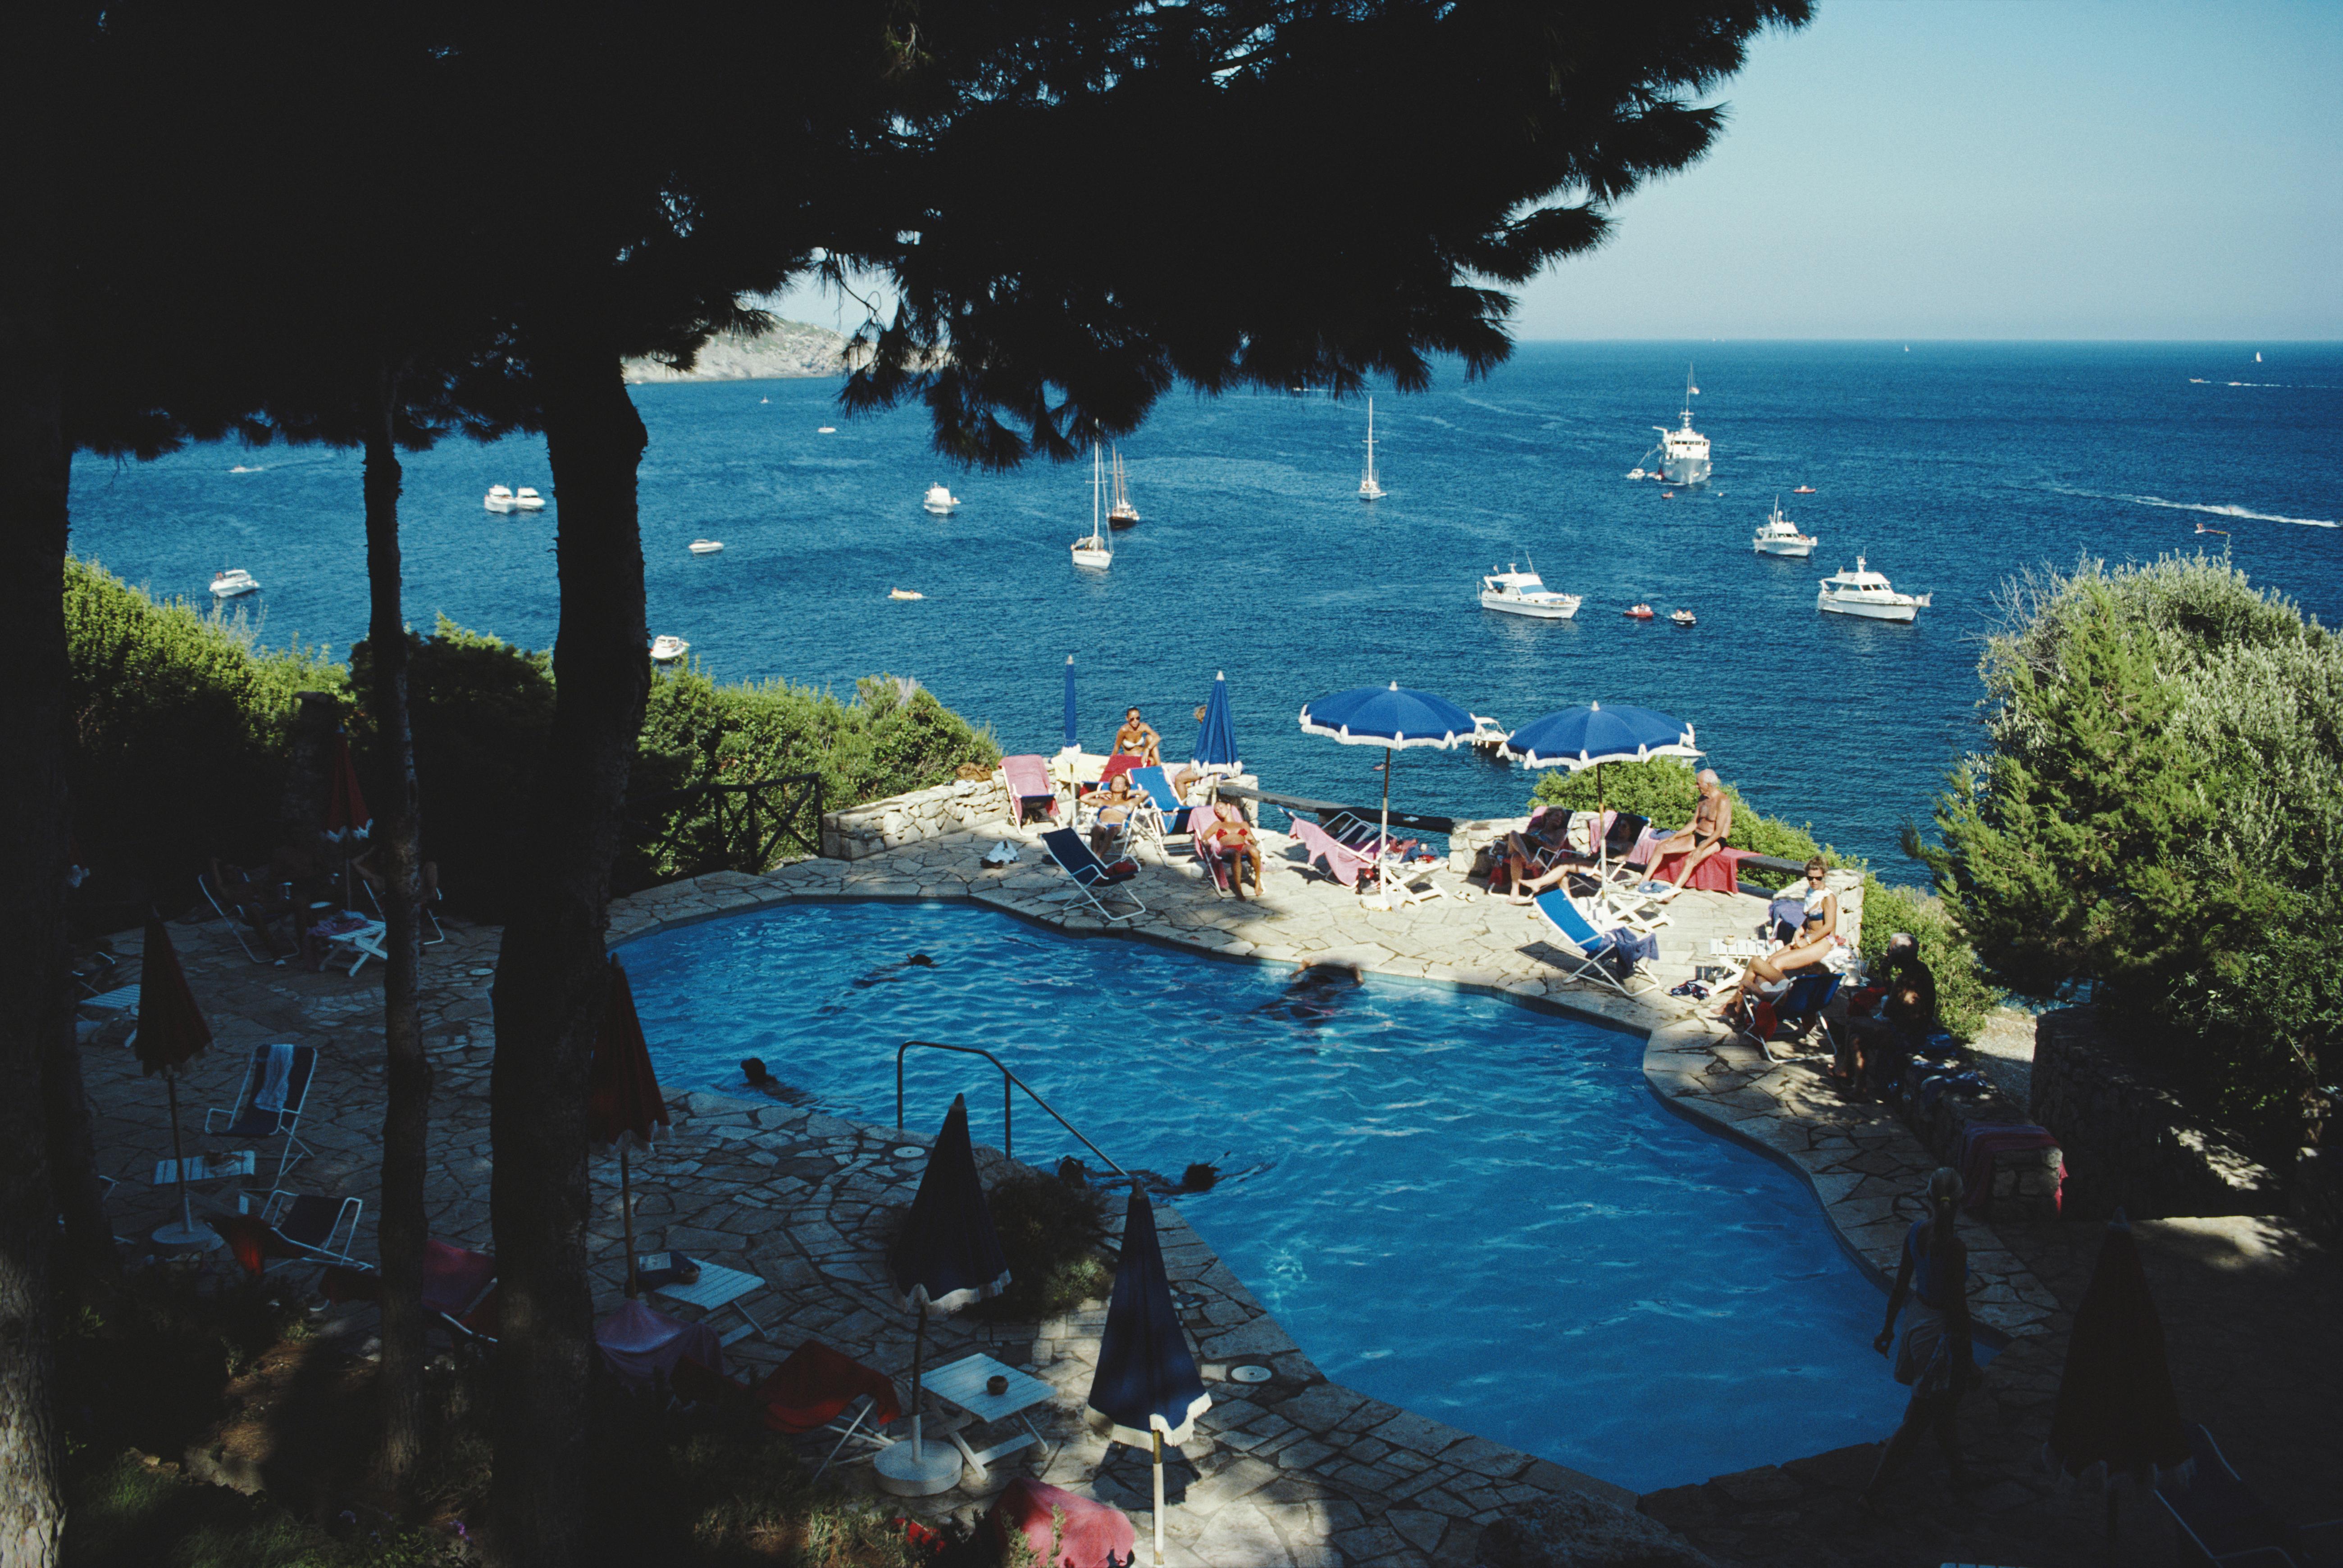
1147,1389
1216,742
1074,734
1394,718
1591,735
948,1257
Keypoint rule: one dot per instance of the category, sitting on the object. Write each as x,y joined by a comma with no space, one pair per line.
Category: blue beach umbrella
948,1257
1591,735
1147,1391
1216,742
1394,718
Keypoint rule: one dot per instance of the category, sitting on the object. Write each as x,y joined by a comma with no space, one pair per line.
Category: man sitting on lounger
1712,824
1137,737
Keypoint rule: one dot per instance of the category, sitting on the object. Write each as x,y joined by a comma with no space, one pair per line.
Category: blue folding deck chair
1163,814
276,1086
2226,1521
1796,1009
1090,873
1583,944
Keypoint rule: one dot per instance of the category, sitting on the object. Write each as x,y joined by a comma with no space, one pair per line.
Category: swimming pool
1467,1208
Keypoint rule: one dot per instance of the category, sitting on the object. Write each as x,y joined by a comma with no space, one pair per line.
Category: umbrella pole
1383,857
919,1347
627,1209
1158,1435
178,1160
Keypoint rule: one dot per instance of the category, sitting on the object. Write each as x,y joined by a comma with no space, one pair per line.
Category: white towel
1000,854
274,1079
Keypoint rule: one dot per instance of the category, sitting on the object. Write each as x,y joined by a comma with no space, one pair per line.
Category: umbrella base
202,1238
904,1473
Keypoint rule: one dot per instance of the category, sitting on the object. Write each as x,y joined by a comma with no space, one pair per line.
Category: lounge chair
813,1390
293,1227
1363,833
1343,863
1155,820
1027,780
1585,947
430,896
268,1105
241,900
1090,873
1786,1015
1121,762
1217,866
459,1291
2222,1520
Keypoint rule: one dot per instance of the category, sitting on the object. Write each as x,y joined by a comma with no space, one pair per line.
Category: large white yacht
1866,593
1683,452
1518,592
1777,536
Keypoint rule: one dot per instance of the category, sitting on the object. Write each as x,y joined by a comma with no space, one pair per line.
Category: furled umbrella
1594,736
1216,739
2116,1413
1394,718
348,820
1147,1391
1073,732
171,1032
948,1257
623,1104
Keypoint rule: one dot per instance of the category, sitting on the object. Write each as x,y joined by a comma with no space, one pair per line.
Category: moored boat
707,547
1777,536
1866,593
1093,552
940,501
1637,612
669,650
1683,618
904,593
1119,512
1369,489
231,581
1517,592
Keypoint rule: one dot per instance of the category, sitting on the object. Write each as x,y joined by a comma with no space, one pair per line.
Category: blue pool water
1470,1209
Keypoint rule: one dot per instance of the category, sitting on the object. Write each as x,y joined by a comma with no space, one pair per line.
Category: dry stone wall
873,829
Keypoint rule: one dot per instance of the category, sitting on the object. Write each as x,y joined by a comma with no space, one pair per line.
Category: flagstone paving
1297,1470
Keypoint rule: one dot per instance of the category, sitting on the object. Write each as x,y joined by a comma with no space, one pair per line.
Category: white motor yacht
940,501
1518,592
1368,490
1866,593
1093,552
1777,536
500,499
232,581
526,499
1682,452
669,650
707,547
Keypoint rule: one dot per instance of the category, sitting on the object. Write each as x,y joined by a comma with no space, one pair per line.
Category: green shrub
179,725
1051,1231
2161,813
1666,789
1966,995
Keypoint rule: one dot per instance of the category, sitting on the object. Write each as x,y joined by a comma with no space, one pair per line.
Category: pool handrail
1007,1077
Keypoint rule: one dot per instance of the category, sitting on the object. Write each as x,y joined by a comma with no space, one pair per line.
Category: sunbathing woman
1815,944
1538,856
1115,803
1229,834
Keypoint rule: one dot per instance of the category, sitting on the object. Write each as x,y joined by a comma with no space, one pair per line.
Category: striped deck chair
1584,946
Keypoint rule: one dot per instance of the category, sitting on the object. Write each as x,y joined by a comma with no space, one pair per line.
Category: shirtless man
1712,824
1137,737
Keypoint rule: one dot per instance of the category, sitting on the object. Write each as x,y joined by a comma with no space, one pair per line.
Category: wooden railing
713,827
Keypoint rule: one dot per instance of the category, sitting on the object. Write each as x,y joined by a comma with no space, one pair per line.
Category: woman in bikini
1137,737
1816,943
1231,835
1114,805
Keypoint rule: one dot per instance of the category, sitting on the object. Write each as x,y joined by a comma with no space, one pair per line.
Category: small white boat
707,547
1804,491
1093,553
1368,490
904,593
1683,618
526,499
669,650
1119,512
940,501
500,499
1487,736
826,430
1866,593
232,581
1777,536
1637,473
1518,592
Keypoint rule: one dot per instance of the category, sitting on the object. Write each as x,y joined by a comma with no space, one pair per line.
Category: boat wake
2208,509
2267,386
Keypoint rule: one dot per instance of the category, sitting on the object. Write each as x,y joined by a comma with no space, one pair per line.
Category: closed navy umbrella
1216,740
171,1032
1074,734
2117,1410
949,1257
1147,1389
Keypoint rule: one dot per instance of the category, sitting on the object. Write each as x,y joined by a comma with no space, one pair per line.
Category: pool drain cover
1251,1371
908,1151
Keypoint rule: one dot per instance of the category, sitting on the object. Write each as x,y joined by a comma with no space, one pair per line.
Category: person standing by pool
1711,825
1137,737
1933,1359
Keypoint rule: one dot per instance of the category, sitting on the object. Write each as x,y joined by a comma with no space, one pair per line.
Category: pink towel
640,1344
1342,862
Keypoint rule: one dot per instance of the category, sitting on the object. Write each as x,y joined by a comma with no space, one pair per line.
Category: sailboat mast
1097,478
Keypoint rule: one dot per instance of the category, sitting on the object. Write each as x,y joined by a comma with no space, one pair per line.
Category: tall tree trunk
406,1107
33,823
549,991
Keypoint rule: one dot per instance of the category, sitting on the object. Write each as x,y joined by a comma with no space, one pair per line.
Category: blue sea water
1950,466
1478,1212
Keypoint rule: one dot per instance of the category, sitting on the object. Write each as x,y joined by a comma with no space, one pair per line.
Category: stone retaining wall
873,829
2024,1183
2129,1142
2319,1192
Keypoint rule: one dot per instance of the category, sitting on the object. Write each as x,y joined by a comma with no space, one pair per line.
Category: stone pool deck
1299,1470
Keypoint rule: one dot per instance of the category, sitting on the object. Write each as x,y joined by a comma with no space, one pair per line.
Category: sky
1992,170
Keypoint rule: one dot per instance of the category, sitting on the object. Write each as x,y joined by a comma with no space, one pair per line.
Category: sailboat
1094,553
1368,489
1121,514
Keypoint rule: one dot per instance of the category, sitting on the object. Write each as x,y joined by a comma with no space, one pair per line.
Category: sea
1953,468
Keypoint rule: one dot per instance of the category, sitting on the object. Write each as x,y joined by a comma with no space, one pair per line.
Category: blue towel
1634,946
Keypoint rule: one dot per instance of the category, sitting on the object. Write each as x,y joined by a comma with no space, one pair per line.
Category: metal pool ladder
1008,1079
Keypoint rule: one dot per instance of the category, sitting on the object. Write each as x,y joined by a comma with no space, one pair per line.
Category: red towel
1092,1535
1981,1142
815,1384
